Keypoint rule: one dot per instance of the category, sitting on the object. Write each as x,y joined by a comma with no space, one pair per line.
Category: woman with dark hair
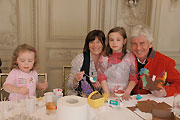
84,65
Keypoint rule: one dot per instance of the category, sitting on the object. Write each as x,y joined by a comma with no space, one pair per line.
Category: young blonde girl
117,67
22,80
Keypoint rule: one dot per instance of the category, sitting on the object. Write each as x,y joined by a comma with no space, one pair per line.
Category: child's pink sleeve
11,79
101,77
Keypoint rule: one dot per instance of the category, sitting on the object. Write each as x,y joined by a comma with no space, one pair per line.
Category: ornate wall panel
63,55
129,16
68,18
8,21
16,18
8,31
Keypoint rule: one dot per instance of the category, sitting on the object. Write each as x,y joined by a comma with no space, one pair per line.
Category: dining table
10,110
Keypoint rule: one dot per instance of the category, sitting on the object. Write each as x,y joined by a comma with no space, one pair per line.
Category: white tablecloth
9,109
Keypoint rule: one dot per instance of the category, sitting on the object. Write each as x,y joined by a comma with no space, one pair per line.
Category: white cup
30,104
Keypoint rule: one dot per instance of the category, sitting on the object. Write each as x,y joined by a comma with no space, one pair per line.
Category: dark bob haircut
91,37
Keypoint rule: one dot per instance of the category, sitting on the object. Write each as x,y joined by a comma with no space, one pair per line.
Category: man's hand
160,93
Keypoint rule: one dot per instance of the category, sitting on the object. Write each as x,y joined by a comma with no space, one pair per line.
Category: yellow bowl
97,102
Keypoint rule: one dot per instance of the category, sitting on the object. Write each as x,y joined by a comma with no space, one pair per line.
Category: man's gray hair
141,30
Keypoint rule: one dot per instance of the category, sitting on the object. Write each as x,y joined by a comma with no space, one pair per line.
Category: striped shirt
76,64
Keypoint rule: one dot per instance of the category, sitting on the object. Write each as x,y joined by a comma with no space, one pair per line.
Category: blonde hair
24,48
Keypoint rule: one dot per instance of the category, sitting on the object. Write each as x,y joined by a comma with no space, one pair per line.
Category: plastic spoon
92,79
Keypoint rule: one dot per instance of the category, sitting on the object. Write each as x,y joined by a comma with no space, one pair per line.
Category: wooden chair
66,72
4,95
41,77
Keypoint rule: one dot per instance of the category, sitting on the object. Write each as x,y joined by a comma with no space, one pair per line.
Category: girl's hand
43,86
23,90
97,85
126,96
78,76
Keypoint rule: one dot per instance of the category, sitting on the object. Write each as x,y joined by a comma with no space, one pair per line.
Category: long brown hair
24,48
121,31
91,37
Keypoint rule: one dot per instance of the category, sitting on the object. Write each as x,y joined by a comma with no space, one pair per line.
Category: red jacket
158,63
